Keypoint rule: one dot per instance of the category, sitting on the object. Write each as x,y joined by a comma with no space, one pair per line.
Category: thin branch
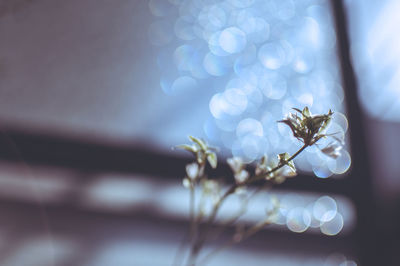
231,242
191,213
200,242
189,235
231,221
263,175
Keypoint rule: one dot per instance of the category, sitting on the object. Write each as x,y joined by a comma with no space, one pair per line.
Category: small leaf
212,159
315,140
325,124
291,125
283,157
190,148
306,112
199,142
236,164
318,121
262,167
291,165
298,110
264,159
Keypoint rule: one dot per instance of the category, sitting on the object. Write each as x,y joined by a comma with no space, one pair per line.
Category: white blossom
241,176
192,170
186,182
236,164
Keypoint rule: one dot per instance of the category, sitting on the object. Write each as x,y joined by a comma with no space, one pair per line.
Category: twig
189,235
200,242
229,222
231,242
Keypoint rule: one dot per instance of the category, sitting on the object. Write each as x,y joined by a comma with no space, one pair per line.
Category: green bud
190,148
212,159
202,144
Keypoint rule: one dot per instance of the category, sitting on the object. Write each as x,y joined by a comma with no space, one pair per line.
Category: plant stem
200,242
191,214
229,243
229,222
190,234
262,176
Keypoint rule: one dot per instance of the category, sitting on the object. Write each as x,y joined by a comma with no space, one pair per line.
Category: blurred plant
307,128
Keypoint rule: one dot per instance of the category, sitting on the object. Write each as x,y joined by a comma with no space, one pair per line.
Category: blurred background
94,93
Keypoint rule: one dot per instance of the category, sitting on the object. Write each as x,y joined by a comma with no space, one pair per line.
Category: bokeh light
333,226
336,259
215,65
183,83
298,220
325,209
252,57
232,40
328,215
272,55
249,126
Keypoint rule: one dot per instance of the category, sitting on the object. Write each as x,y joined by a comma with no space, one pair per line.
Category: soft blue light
272,55
215,65
232,40
183,56
184,30
250,57
183,84
160,33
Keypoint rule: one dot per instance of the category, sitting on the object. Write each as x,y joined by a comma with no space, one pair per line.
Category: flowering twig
307,128
198,245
